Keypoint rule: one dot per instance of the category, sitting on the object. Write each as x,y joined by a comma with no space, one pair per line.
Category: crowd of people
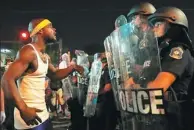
34,91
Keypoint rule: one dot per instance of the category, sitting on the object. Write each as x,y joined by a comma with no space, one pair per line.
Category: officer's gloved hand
2,117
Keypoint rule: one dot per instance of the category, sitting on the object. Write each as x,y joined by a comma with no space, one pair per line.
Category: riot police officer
170,26
138,17
105,117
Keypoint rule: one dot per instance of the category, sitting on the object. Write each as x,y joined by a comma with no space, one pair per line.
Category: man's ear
41,31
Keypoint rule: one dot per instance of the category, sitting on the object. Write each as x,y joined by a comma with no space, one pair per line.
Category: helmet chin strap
164,42
189,43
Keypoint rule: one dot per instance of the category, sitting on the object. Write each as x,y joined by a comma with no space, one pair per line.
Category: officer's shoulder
106,68
177,52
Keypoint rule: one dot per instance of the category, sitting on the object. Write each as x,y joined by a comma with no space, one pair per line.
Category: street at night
97,65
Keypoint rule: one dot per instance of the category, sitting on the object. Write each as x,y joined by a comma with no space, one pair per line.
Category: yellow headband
40,26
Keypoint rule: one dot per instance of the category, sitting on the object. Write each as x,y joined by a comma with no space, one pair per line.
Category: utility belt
175,102
172,96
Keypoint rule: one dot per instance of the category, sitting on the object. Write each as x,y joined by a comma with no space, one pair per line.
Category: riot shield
67,84
93,88
67,88
121,20
82,85
112,71
135,60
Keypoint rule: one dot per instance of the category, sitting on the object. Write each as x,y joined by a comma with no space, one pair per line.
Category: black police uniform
76,104
105,116
177,59
191,105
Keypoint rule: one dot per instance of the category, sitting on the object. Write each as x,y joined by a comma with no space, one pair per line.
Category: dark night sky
81,24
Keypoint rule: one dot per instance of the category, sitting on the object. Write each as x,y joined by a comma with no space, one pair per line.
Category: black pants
49,105
78,121
187,115
105,117
183,116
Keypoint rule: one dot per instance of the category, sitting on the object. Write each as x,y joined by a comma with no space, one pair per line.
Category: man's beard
50,40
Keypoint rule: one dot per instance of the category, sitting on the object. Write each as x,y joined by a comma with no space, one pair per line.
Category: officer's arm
163,80
107,87
15,70
174,65
129,82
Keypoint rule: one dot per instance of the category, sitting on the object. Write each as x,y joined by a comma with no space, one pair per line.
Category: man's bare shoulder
26,53
48,57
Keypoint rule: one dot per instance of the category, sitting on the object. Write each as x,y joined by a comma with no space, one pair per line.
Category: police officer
75,105
105,117
142,50
170,26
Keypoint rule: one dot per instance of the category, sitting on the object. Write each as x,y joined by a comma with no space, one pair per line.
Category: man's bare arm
58,74
2,104
15,70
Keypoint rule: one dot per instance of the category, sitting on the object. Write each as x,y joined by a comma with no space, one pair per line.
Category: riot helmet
142,8
138,14
172,15
177,25
121,20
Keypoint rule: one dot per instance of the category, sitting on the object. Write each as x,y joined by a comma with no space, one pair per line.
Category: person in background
8,63
2,107
6,103
66,83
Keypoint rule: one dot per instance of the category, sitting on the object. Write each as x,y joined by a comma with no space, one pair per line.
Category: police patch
176,53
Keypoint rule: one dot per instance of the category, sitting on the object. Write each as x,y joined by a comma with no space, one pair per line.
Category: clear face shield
159,27
139,22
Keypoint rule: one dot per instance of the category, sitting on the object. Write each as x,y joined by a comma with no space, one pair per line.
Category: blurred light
5,51
24,35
